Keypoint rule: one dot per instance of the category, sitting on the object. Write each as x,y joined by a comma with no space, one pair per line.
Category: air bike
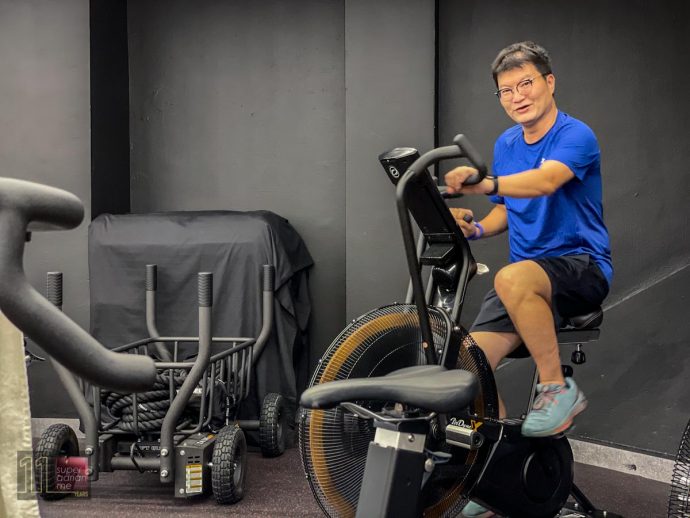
401,418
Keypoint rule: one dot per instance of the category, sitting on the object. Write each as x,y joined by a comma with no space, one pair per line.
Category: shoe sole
580,405
488,514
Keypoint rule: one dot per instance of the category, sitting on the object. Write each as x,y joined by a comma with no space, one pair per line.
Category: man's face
527,104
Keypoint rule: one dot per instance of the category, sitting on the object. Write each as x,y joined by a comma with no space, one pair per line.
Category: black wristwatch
495,189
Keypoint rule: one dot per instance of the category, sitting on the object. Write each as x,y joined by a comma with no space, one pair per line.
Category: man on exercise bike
547,193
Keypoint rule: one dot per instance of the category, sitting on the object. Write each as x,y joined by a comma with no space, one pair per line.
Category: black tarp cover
232,245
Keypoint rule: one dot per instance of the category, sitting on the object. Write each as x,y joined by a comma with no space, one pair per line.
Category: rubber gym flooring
277,488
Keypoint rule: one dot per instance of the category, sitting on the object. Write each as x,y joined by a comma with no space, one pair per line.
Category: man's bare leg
495,347
525,290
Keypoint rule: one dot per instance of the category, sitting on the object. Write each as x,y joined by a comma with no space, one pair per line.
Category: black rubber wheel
56,441
272,425
229,465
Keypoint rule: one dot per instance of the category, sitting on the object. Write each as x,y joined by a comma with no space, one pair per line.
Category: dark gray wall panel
390,103
44,137
622,68
109,108
240,105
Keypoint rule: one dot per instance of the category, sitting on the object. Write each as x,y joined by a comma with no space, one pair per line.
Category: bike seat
589,322
40,207
430,387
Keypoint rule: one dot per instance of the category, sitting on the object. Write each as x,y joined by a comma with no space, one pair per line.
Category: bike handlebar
26,207
473,156
461,148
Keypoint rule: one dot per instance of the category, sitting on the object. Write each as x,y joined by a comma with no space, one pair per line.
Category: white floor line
623,461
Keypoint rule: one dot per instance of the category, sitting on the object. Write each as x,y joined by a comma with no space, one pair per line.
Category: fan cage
334,443
679,500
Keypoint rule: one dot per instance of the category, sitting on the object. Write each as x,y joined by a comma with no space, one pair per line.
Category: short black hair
519,54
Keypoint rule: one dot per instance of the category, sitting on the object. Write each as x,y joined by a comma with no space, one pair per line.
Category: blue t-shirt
568,222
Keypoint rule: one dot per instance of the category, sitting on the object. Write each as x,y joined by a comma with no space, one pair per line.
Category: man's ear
551,81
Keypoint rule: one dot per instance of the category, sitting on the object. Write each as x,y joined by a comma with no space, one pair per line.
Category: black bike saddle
431,387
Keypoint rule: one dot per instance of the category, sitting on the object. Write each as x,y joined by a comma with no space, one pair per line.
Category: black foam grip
474,157
151,277
54,288
205,289
269,277
467,218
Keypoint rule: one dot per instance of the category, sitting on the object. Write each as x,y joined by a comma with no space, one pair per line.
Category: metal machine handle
25,207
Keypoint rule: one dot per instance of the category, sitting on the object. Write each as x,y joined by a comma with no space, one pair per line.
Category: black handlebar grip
269,277
443,189
474,157
205,285
467,218
54,288
151,277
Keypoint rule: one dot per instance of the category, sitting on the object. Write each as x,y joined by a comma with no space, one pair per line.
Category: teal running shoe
554,409
474,510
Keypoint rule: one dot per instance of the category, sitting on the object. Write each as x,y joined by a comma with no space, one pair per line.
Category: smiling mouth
522,109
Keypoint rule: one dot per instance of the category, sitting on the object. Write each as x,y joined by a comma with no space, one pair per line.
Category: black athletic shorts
577,287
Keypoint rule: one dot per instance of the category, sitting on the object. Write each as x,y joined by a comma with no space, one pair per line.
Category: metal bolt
89,450
164,452
182,453
181,491
164,473
410,438
428,465
89,471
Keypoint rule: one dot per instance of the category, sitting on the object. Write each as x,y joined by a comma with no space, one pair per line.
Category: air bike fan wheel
679,500
334,443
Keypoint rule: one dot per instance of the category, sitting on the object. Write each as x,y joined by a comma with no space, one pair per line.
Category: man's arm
494,223
527,184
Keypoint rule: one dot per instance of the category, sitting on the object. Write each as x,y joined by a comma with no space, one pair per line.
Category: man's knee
518,280
510,284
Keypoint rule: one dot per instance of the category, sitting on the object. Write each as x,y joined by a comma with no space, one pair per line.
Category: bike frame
396,459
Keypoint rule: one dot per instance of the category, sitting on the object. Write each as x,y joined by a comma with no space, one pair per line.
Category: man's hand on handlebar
465,220
454,181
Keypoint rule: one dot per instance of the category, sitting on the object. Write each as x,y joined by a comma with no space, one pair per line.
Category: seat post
394,470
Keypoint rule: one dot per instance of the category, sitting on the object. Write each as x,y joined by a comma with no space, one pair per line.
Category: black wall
109,107
621,67
389,79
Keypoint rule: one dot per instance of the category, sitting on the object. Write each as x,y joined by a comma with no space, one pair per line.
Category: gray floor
277,488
